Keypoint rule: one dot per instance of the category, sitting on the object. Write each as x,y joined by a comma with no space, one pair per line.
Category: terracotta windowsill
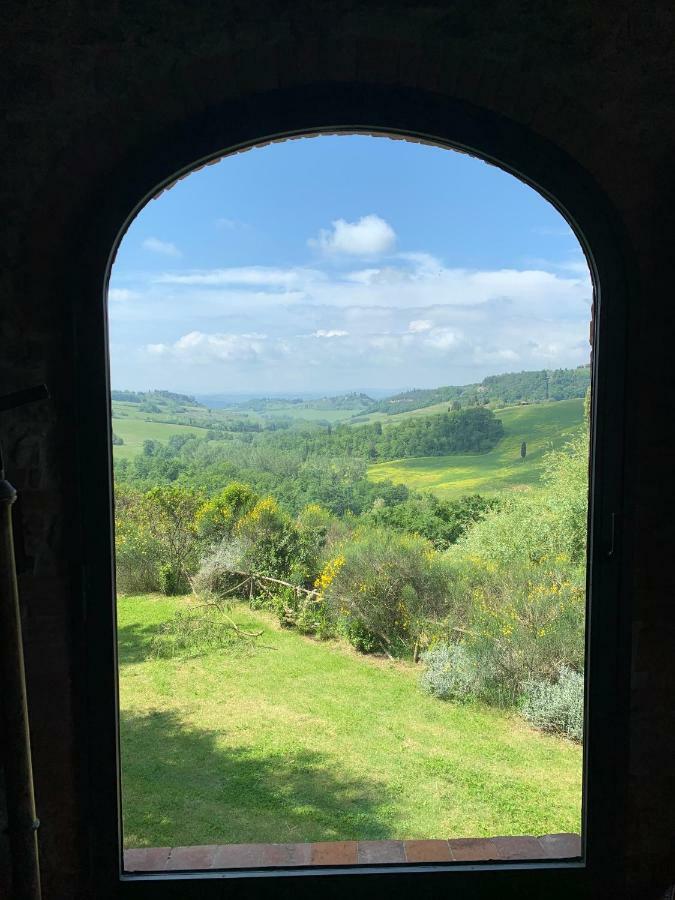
346,853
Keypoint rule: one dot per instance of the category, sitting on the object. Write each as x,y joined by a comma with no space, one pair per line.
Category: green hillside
543,426
510,387
134,431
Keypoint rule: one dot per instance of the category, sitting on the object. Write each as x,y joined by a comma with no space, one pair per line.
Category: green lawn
134,431
308,741
542,426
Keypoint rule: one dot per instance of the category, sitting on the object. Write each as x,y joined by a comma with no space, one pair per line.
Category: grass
308,741
543,426
135,426
134,431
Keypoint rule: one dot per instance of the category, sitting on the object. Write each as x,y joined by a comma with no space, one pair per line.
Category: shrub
524,622
172,582
308,612
557,706
269,539
386,587
217,518
136,549
169,514
451,673
215,575
312,527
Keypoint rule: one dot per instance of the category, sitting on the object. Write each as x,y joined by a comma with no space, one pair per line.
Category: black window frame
415,115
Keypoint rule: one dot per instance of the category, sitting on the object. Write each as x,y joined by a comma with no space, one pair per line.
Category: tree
523,450
171,513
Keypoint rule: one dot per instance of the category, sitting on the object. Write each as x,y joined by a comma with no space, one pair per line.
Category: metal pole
22,820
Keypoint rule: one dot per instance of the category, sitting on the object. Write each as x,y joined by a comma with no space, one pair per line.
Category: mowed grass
135,431
543,426
308,741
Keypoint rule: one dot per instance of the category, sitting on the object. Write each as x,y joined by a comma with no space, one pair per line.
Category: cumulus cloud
413,321
443,338
370,236
198,347
418,325
164,248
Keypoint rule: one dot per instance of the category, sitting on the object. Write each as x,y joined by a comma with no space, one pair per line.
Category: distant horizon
328,393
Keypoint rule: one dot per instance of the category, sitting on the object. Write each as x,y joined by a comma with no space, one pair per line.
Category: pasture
543,426
134,431
303,740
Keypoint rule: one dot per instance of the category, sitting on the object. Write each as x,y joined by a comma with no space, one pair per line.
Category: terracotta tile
472,849
560,846
334,853
517,847
381,852
286,854
198,857
427,851
238,856
146,859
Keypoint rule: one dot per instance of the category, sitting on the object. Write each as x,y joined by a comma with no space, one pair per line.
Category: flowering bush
384,587
525,622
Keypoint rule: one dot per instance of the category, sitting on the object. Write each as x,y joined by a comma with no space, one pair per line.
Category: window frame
418,116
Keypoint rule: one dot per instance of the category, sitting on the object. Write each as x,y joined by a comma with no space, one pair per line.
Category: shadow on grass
181,788
133,642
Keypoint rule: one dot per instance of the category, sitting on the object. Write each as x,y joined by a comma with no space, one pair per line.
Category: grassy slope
134,431
543,426
134,426
309,741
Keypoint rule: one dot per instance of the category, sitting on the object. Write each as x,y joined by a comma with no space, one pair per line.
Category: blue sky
343,263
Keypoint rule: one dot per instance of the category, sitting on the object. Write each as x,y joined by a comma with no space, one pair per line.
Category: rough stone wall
85,84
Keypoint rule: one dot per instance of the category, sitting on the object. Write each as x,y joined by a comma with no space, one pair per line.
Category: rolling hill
543,426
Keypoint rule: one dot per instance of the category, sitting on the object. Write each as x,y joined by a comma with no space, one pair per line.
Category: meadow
307,740
543,426
135,431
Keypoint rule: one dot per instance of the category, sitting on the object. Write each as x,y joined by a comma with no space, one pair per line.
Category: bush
523,623
136,549
557,706
269,539
215,575
451,673
172,582
384,588
217,518
308,612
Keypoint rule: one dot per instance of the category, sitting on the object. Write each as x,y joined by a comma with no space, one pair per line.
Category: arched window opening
350,403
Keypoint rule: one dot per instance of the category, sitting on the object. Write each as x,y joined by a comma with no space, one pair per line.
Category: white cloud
370,236
246,275
418,325
165,248
198,347
330,333
443,338
413,321
122,295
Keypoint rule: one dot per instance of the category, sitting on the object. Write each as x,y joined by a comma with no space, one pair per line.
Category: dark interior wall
86,86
